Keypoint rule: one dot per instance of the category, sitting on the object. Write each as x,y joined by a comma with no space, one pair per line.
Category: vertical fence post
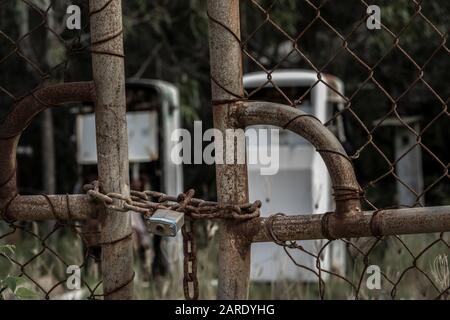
112,144
232,183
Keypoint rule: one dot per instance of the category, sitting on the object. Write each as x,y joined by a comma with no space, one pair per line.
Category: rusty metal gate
358,220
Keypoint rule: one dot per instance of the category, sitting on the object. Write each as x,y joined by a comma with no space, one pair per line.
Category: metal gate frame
231,111
107,91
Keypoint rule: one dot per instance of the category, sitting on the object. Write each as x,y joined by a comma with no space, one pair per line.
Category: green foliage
13,283
17,288
24,293
6,250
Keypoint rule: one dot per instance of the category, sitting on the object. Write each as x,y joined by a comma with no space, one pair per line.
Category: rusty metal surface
277,228
230,106
25,109
51,207
147,202
345,185
232,180
225,51
379,88
112,144
366,224
20,117
296,227
36,61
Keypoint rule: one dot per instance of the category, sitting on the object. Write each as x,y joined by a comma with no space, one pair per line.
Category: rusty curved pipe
346,189
20,117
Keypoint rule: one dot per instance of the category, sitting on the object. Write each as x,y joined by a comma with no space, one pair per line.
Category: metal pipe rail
231,179
57,207
345,185
367,224
20,117
108,72
295,227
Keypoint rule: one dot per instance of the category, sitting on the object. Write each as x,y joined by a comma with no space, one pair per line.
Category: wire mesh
35,256
395,85
394,106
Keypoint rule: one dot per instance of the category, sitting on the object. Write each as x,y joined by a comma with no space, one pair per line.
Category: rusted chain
190,281
39,73
147,202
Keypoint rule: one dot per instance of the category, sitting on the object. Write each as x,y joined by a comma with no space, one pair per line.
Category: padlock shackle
345,186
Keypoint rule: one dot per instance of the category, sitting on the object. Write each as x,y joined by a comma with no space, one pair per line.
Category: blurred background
394,107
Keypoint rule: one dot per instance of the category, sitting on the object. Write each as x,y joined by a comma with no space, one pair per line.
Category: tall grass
412,267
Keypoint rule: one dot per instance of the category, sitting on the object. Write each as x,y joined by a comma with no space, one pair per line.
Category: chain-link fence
394,110
36,256
387,95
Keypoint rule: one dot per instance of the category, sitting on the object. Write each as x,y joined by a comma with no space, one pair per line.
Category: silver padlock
165,222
